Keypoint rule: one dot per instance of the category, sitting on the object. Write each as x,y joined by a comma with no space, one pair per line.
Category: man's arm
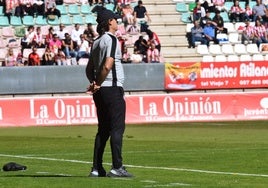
104,70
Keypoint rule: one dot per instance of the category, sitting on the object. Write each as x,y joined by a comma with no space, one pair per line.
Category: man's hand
93,88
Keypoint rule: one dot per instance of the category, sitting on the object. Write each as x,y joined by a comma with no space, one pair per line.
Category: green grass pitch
209,155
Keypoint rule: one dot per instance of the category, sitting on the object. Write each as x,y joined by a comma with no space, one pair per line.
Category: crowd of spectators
209,29
64,47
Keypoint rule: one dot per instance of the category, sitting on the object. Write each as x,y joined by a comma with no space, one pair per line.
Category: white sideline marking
135,166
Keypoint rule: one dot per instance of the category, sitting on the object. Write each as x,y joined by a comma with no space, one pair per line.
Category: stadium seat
69,2
15,21
62,8
232,57
202,49
240,49
207,58
225,16
191,6
230,27
90,19
73,9
78,19
228,5
189,27
257,57
245,57
227,49
234,38
40,20
220,58
181,7
26,52
110,6
4,21
186,17
66,20
83,61
41,51
85,9
252,48
3,53
28,20
8,32
215,49
1,10
54,22
3,43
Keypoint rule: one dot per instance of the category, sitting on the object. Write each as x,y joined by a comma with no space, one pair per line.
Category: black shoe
120,172
98,172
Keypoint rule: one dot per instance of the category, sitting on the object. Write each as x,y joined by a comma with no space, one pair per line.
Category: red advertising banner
187,107
216,75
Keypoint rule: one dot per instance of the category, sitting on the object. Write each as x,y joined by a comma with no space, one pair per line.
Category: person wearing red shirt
34,58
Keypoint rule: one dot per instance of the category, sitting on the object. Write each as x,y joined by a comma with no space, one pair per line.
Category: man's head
107,20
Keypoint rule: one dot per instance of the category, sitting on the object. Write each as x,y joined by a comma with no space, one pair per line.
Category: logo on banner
258,113
182,77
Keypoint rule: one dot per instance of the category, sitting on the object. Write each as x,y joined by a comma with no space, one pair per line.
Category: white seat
252,48
257,57
232,58
189,27
233,38
229,26
220,58
240,49
215,49
239,25
202,49
245,57
207,58
227,49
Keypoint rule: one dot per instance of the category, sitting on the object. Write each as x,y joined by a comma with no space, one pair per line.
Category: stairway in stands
171,31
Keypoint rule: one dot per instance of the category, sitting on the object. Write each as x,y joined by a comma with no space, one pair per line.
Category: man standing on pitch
106,76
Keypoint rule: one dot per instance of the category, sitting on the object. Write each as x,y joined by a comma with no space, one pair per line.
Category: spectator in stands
48,57
260,34
209,32
127,14
33,58
39,7
10,59
60,58
55,44
76,33
126,56
219,5
237,13
61,31
25,7
247,33
96,2
83,48
153,38
38,39
90,34
198,12
258,10
140,13
68,49
27,40
51,9
205,19
219,23
208,5
141,47
153,54
265,19
197,34
49,36
248,12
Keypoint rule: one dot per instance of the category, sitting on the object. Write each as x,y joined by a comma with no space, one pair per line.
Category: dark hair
103,27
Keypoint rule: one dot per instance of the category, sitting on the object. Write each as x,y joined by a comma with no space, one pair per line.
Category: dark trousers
111,111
